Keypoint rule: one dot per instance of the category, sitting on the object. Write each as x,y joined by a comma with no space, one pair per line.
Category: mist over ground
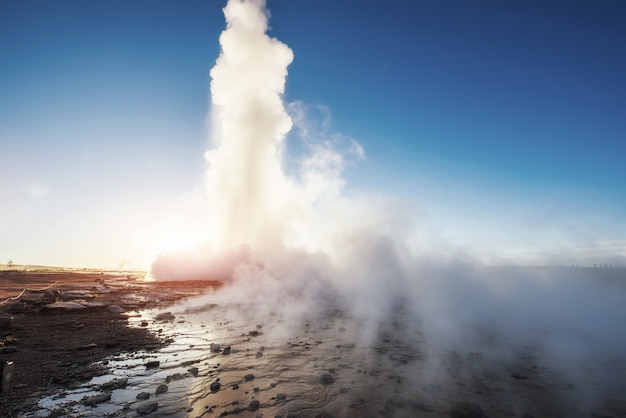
294,249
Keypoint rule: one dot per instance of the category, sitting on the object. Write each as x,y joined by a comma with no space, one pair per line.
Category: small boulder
253,405
162,388
147,408
142,396
327,379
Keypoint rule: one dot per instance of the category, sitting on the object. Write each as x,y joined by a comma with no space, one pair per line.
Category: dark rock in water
253,406
193,371
259,354
394,402
281,396
96,399
175,376
215,348
165,316
147,408
226,351
327,379
115,309
153,364
253,333
466,410
235,386
162,388
215,386
143,396
249,377
115,384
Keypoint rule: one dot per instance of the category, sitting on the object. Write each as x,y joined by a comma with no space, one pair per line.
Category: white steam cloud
294,244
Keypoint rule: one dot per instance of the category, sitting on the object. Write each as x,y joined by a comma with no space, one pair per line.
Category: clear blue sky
502,123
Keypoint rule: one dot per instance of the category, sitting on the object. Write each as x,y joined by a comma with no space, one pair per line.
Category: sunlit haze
489,129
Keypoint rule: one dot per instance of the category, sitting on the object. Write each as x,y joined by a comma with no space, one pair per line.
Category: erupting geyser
250,196
291,245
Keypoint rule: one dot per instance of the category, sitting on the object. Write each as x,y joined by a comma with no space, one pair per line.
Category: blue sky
501,123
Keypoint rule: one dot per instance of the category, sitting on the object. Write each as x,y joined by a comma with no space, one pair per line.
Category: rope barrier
28,290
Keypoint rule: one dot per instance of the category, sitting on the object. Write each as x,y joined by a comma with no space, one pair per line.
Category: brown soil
54,349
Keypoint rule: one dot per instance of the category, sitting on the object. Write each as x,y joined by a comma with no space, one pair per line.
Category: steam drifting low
292,244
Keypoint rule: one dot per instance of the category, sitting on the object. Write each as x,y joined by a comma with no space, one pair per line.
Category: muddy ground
56,344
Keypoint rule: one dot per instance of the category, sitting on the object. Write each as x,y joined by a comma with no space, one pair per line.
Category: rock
215,348
115,309
259,354
87,347
254,405
162,388
153,364
96,399
165,316
115,384
466,410
344,389
327,379
143,396
215,386
249,377
175,376
281,396
253,333
226,351
193,371
147,408
63,307
144,323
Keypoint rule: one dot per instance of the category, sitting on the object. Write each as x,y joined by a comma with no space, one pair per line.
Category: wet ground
202,357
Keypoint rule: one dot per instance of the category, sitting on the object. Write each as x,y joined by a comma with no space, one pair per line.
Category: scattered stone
162,388
153,364
327,379
259,354
215,348
281,396
215,386
115,309
466,410
253,333
249,377
175,376
87,346
142,396
147,408
193,371
96,399
235,386
165,316
226,351
344,390
115,384
61,307
254,405
144,323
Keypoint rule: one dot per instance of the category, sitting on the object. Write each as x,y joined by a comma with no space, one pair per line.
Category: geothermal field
300,301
